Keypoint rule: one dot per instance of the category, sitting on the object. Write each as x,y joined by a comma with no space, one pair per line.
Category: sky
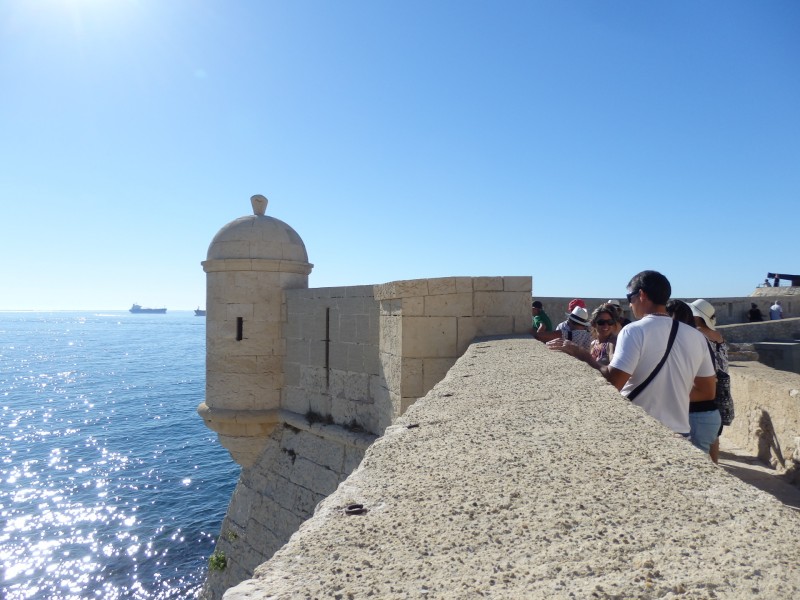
578,142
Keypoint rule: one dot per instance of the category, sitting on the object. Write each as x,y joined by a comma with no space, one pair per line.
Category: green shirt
542,318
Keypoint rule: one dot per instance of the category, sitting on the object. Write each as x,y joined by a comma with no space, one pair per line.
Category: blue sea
111,486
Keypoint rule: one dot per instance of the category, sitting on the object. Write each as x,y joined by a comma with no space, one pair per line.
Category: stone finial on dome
259,204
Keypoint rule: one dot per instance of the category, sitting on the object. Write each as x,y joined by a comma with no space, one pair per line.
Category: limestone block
231,364
242,501
231,248
434,370
401,289
270,365
441,285
392,368
325,453
467,330
378,391
298,351
242,391
429,337
372,363
366,329
295,399
390,338
413,306
293,328
313,378
236,310
285,523
343,411
366,416
494,325
356,387
335,292
363,291
448,305
277,488
500,304
317,353
518,284
305,501
267,311
313,326
347,328
314,477
337,356
487,284
463,284
392,307
355,357
412,377
320,404
291,374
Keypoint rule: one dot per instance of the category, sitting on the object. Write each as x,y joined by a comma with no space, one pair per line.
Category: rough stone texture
783,329
302,463
767,421
524,475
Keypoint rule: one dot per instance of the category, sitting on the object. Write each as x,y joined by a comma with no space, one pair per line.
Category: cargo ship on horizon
137,309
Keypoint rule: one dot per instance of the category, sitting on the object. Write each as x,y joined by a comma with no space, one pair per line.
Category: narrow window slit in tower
327,347
239,329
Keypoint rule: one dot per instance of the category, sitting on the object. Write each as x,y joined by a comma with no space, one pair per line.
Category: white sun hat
705,310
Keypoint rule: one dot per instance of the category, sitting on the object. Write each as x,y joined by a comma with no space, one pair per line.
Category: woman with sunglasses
605,326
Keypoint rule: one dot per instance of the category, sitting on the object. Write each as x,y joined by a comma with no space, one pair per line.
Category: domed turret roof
257,236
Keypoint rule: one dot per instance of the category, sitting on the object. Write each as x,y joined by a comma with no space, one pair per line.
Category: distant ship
137,309
199,313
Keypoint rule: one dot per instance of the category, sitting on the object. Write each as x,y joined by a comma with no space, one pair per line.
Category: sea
111,486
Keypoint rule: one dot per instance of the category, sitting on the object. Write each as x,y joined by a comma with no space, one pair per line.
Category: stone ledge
524,475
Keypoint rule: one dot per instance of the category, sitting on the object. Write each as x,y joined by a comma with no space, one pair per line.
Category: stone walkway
751,470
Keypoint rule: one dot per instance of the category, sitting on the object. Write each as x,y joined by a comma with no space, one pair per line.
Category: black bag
723,400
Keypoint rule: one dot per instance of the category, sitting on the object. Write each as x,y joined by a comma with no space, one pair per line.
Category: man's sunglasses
632,294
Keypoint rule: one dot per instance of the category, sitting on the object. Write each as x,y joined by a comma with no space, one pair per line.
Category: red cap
576,302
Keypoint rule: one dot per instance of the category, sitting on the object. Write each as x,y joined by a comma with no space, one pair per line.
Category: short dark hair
536,304
680,311
654,284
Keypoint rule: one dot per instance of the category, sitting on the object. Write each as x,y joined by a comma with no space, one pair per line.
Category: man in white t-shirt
688,373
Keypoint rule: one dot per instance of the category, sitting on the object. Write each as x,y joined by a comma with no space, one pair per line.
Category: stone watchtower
250,262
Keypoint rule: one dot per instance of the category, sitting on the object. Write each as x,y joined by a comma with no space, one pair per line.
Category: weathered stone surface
527,476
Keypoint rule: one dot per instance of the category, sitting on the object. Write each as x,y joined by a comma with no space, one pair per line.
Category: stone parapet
767,421
523,474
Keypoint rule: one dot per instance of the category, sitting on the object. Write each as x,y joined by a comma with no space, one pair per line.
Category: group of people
775,312
666,361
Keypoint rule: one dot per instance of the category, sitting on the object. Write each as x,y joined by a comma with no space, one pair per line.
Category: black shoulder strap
638,389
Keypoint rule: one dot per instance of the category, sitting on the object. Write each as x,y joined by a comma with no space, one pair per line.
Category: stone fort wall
355,359
523,474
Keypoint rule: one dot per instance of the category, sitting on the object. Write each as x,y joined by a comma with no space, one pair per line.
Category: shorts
704,428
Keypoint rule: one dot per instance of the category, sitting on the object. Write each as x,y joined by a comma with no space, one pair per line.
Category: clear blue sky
577,142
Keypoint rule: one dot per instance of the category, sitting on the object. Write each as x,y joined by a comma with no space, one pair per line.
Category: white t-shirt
641,346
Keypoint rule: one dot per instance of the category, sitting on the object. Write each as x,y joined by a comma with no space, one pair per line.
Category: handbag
723,400
638,389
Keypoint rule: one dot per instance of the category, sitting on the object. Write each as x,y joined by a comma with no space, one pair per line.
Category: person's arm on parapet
615,377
